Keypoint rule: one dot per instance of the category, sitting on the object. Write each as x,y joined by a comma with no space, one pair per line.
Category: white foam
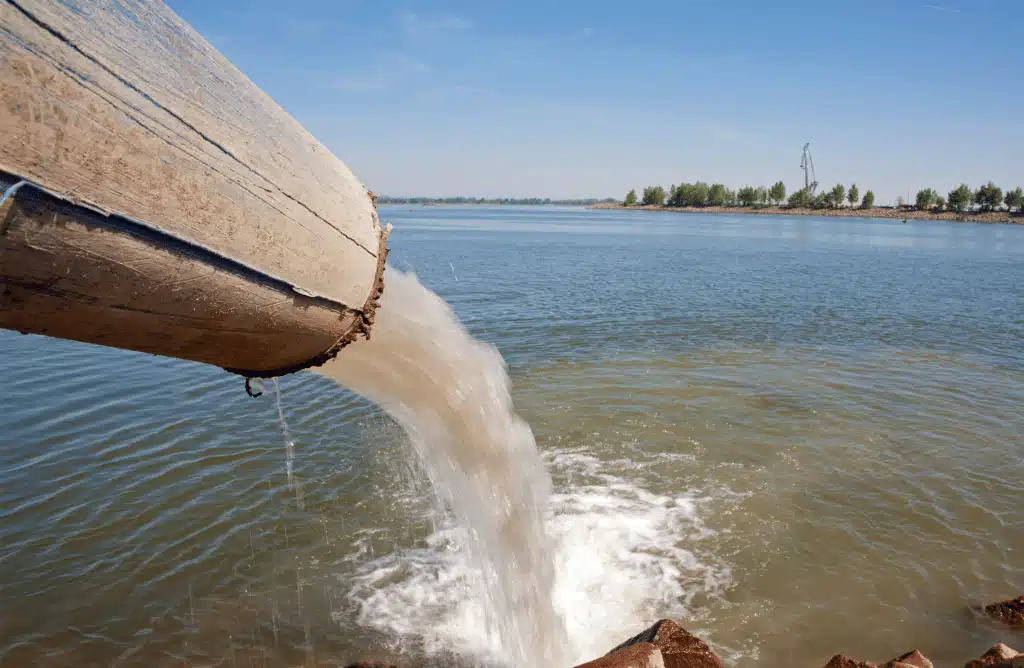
621,562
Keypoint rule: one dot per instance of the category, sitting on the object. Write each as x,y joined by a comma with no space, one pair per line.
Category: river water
797,436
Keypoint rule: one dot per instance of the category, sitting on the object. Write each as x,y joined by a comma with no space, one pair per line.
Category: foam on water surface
620,561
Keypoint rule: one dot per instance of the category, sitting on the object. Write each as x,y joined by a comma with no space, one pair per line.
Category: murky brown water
798,437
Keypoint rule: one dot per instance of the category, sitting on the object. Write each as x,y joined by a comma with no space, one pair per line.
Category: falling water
289,449
450,392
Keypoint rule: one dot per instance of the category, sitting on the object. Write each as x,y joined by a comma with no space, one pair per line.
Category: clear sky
567,98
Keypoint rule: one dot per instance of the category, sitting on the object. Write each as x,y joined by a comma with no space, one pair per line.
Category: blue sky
588,99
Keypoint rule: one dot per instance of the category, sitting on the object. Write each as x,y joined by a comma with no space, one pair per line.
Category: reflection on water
798,436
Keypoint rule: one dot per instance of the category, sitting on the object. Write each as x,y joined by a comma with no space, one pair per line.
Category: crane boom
807,164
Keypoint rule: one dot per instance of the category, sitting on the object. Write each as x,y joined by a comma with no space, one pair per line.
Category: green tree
801,199
654,196
959,198
778,192
630,198
747,195
854,195
989,197
761,195
978,197
699,196
838,195
1015,199
823,200
925,199
940,202
717,195
691,194
869,200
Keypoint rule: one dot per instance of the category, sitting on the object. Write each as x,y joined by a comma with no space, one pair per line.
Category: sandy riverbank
877,212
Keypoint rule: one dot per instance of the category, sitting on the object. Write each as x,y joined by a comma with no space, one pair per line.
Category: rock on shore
912,659
1000,656
678,647
638,655
843,661
1009,612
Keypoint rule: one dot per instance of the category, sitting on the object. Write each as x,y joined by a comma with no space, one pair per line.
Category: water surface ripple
799,436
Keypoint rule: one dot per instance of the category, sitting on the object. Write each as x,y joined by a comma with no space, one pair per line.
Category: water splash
451,395
628,550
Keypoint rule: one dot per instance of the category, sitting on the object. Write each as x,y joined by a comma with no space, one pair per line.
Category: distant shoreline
880,213
423,205
875,212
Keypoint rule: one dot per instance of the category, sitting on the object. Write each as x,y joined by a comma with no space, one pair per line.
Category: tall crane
807,164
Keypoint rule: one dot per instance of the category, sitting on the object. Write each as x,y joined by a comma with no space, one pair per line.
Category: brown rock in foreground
640,655
1000,656
371,664
679,648
843,661
1009,612
912,659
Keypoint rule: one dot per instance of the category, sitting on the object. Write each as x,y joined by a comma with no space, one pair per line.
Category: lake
797,436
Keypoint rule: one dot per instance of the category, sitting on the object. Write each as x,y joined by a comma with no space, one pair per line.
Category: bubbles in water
621,555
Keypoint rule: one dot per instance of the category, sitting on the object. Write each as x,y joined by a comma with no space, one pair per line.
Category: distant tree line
701,194
832,199
385,199
988,197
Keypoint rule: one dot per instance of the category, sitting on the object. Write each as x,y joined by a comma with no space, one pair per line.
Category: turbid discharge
450,393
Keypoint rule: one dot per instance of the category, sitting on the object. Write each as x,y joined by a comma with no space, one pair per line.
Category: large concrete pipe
155,199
